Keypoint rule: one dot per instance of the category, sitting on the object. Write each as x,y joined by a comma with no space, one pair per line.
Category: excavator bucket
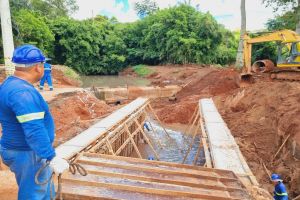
246,79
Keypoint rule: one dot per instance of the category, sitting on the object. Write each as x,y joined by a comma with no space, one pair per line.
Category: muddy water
174,147
112,81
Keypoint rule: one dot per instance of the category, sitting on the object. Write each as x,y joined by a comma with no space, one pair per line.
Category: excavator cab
289,54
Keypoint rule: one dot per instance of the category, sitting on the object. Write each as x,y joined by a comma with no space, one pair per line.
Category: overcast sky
226,12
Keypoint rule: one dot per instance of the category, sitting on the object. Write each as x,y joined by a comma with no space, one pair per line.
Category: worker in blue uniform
280,192
27,126
47,76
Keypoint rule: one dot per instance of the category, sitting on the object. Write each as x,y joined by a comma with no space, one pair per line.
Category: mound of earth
76,111
261,117
208,82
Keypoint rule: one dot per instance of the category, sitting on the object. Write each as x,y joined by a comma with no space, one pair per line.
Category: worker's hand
59,165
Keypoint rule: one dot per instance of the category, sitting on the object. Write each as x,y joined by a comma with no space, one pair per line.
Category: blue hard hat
27,54
276,177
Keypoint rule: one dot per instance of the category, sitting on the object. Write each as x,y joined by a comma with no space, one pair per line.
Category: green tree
33,29
48,8
286,4
89,46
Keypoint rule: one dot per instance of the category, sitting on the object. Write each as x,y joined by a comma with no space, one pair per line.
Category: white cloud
226,12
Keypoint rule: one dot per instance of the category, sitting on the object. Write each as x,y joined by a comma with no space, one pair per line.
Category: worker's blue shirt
47,69
26,121
280,192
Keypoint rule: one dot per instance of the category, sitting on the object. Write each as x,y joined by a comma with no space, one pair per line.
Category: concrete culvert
263,66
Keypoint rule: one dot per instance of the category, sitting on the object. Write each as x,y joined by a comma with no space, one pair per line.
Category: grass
69,72
142,70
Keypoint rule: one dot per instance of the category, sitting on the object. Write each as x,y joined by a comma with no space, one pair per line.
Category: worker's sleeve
30,113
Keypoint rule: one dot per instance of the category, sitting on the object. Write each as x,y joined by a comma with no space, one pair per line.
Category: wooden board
149,180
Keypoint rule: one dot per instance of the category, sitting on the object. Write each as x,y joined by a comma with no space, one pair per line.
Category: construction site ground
260,116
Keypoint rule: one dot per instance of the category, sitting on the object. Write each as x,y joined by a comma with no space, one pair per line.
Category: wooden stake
190,121
159,143
132,141
191,145
109,147
197,154
125,143
147,139
281,146
149,105
266,169
204,142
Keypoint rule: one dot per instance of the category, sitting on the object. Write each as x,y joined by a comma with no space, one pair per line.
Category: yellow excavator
288,60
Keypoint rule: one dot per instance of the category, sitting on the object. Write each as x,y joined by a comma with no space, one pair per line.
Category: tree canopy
102,45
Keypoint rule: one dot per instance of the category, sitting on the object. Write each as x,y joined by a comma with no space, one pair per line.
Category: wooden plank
133,142
193,139
147,139
160,178
153,189
151,109
187,173
170,165
197,154
126,142
208,161
205,145
155,132
82,192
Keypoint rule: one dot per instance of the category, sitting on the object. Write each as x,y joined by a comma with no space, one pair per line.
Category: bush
142,70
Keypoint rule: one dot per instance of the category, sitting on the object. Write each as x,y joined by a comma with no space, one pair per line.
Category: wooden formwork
116,177
103,151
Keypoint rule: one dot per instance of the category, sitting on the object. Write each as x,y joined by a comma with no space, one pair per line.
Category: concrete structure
223,150
111,95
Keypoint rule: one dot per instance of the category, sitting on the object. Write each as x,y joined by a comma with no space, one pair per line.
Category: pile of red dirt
261,117
206,82
59,79
75,112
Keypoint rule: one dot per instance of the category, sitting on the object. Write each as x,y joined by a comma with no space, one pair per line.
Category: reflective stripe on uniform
281,194
31,116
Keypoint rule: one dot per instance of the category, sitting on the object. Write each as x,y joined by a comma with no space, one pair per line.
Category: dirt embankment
261,117
74,112
203,83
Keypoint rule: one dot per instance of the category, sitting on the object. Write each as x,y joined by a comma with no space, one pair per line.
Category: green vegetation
142,70
176,35
69,72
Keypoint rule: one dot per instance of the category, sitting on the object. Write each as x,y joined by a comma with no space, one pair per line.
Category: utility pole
7,36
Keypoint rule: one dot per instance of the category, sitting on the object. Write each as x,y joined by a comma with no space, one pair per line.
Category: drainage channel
173,148
104,150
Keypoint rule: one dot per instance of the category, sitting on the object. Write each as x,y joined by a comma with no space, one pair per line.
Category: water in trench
174,147
112,81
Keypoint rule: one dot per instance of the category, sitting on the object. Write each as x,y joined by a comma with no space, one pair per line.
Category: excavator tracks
286,75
